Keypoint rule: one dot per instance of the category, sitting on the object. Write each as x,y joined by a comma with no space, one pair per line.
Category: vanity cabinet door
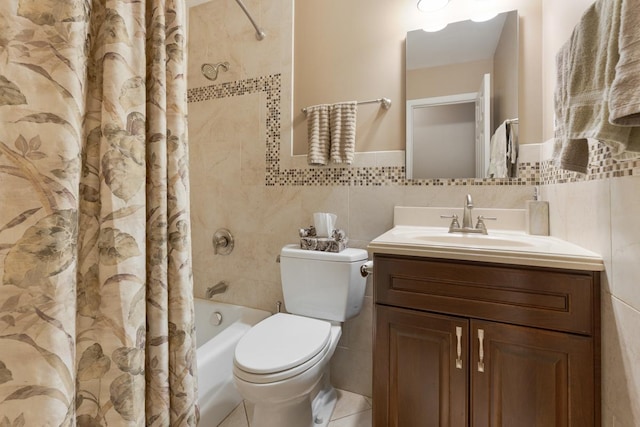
530,377
420,374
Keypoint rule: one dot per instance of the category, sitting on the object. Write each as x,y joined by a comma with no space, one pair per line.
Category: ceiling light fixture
484,16
434,27
431,5
483,10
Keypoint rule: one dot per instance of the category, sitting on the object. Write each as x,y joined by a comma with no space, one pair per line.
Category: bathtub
217,395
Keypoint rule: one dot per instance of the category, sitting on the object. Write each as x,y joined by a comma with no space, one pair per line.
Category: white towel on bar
343,132
498,153
512,150
318,134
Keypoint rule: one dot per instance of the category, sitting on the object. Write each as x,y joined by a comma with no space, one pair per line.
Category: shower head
210,71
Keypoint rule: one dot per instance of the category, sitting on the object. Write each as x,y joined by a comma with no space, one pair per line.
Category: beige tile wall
603,216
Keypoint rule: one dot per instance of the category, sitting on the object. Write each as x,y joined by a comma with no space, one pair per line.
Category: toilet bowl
281,365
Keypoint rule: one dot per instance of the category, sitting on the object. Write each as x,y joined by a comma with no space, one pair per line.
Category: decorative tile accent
602,165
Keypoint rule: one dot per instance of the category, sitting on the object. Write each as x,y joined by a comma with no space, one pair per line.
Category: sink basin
474,240
440,236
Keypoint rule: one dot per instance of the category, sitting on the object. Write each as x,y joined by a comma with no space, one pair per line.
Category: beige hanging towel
318,134
598,85
343,132
624,100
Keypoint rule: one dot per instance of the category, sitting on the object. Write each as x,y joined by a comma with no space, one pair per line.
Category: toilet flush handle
366,268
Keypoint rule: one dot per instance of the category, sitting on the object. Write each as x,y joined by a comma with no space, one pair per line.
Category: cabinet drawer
562,300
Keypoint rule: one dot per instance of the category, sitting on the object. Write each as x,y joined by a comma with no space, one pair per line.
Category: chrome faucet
467,220
219,288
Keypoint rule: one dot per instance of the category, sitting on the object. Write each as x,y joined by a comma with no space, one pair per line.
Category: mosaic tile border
539,173
601,166
393,175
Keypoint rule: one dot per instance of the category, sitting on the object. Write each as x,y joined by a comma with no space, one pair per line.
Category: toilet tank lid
347,255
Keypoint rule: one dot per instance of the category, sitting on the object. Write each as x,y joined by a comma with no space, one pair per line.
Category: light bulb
431,5
483,10
484,16
435,26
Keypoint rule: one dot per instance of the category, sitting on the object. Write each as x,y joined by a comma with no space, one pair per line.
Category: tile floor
352,410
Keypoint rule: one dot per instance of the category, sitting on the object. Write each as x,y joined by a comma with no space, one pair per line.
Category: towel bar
386,103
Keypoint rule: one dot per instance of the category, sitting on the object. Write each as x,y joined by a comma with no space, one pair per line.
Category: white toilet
282,364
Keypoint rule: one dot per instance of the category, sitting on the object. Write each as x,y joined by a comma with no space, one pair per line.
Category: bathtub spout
219,288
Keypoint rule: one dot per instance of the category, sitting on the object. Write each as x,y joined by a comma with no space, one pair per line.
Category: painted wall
228,181
504,106
355,50
447,79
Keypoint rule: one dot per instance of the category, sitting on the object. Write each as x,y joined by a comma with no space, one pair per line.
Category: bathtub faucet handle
222,242
219,288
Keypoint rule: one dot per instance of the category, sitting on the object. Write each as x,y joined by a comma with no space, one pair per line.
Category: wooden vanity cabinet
462,343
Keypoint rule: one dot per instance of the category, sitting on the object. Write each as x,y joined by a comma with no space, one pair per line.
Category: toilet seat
281,347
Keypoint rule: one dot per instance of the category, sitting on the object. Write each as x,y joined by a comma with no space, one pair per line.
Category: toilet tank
323,285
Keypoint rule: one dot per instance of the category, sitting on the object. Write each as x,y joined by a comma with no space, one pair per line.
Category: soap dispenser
537,214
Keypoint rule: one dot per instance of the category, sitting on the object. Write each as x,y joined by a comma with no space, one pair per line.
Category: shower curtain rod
259,33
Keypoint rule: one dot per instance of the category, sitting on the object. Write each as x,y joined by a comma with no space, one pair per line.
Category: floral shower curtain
96,310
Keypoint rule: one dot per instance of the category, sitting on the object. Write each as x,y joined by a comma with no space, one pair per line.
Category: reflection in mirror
462,91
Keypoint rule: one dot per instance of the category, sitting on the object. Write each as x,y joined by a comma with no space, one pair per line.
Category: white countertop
499,246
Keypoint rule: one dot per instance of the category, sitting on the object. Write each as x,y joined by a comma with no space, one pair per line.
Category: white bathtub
217,395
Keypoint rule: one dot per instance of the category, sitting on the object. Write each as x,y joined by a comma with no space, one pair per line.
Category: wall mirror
461,86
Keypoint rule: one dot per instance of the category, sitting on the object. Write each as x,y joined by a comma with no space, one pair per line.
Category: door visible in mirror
444,69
